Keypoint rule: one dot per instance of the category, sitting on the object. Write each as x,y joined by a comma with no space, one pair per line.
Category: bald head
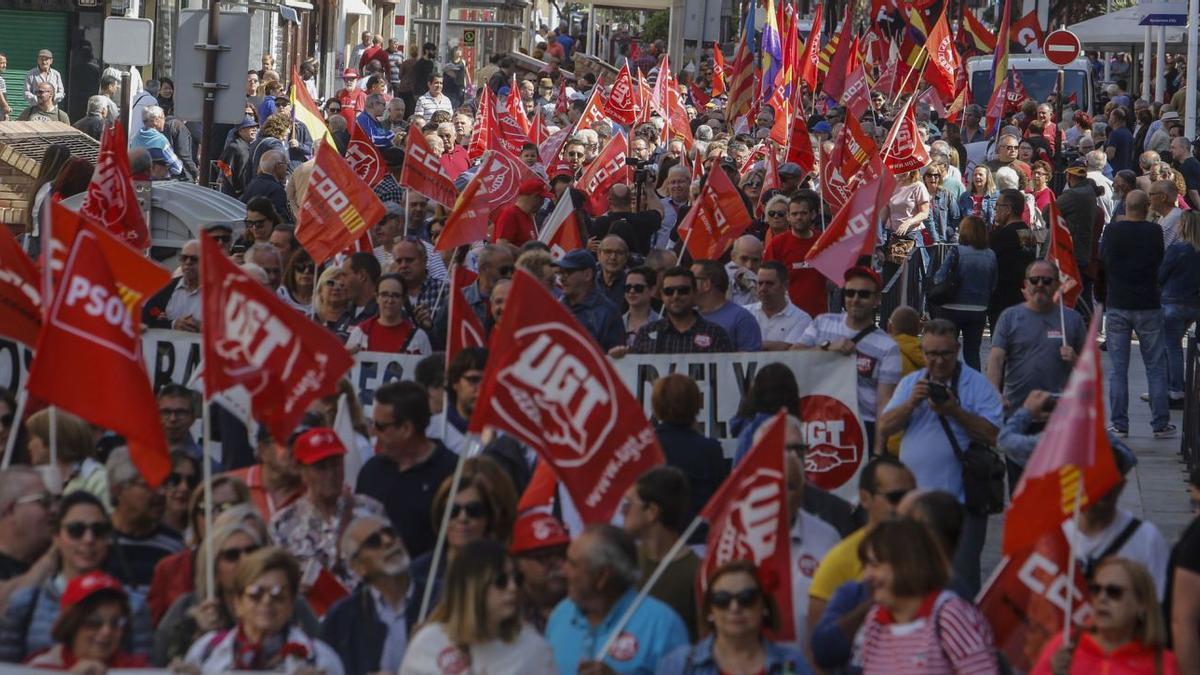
1137,204
747,252
272,162
620,197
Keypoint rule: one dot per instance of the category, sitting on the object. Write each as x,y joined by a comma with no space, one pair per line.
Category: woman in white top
477,626
298,281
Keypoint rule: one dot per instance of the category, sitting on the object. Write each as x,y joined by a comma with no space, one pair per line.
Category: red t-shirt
806,285
373,53
389,339
513,225
353,102
455,161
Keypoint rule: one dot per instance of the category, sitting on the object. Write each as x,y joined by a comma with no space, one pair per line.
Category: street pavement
1155,490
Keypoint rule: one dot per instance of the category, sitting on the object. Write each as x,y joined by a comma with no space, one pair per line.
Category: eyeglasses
670,291
222,238
375,541
76,531
1113,591
174,479
390,296
864,293
256,593
895,496
472,379
504,579
334,109
936,176
941,354
1043,281
776,214
304,269
1008,147
635,288
44,498
474,510
255,222
174,412
98,622
747,597
232,555
183,258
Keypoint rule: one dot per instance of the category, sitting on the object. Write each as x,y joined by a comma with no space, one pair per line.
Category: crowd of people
318,572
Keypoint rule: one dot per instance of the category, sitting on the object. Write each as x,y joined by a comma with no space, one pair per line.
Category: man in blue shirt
971,408
712,290
602,580
1119,147
601,318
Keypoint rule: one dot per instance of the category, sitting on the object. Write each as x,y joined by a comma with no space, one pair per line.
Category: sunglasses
504,579
777,214
98,622
174,479
895,496
232,555
635,288
255,223
304,269
864,293
257,593
1113,591
1042,281
76,531
334,109
747,597
474,510
222,239
938,176
670,291
375,541
506,270
383,426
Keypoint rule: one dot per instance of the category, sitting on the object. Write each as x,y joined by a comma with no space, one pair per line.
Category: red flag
423,173
700,98
251,338
485,126
562,230
551,386
852,151
88,359
942,67
800,150
592,112
748,520
364,158
644,94
719,70
20,292
562,104
516,107
770,182
839,64
1027,32
973,37
620,103
851,233
1062,253
338,206
463,326
1026,598
697,167
903,149
608,169
783,114
110,198
1072,453
856,97
716,218
494,186
810,58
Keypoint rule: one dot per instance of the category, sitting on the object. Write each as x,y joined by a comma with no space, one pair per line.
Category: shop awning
357,7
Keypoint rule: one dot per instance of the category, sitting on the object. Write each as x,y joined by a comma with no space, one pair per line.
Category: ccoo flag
338,207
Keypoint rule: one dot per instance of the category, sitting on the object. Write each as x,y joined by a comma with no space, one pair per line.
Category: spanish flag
305,110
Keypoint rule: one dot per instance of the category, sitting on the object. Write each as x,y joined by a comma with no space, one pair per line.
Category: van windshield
1037,82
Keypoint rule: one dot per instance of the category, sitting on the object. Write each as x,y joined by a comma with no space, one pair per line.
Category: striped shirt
877,361
960,643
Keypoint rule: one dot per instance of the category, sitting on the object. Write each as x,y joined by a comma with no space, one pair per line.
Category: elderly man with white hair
742,268
151,136
1096,161
177,305
269,182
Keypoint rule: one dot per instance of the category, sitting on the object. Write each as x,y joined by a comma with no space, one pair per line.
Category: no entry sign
1061,47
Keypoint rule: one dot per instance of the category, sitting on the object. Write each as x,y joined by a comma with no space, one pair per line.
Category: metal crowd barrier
1189,446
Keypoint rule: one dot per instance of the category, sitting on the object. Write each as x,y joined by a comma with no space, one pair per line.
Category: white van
1038,76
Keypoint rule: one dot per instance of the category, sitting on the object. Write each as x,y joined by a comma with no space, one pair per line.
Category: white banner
832,430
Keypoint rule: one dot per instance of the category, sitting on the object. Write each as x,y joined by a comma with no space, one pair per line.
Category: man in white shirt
1163,197
434,100
43,73
743,268
781,322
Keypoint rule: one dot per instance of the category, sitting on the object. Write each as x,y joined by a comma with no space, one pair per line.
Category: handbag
983,471
899,249
944,291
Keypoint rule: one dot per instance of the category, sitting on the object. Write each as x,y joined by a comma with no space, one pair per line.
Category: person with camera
942,410
634,214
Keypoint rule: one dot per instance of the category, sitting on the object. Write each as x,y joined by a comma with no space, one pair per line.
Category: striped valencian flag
741,83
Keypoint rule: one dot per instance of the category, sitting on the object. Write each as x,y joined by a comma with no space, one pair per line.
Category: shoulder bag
983,471
944,291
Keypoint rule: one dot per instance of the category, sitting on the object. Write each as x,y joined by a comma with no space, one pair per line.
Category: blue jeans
966,563
1176,319
1148,324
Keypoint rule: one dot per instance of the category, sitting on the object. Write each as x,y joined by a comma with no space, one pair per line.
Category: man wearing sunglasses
806,285
369,628
177,305
1029,350
25,520
945,398
681,330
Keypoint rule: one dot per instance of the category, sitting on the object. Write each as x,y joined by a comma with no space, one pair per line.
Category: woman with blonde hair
76,467
1179,278
1128,633
330,302
477,626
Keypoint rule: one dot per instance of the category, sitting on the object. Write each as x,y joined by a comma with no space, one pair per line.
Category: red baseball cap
83,587
865,273
348,73
534,186
536,530
317,444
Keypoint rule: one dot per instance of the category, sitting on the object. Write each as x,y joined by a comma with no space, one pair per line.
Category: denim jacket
977,272
966,206
698,659
944,215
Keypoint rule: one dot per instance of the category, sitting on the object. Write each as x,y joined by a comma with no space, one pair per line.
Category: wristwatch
825,345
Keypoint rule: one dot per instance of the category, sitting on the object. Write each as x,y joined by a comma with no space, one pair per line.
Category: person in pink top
1128,635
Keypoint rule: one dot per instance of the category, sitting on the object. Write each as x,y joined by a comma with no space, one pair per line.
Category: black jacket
154,312
353,629
264,185
237,157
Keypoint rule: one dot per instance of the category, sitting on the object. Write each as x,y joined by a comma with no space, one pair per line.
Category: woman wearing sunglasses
266,636
737,611
916,623
90,628
330,302
477,626
298,282
484,507
942,223
1128,634
82,540
177,488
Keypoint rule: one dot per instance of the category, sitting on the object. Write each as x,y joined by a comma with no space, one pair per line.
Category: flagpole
55,474
646,587
18,415
1071,565
923,57
437,302
407,193
473,443
206,461
1062,318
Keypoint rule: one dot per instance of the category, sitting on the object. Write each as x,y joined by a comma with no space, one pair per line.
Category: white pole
206,461
646,587
438,548
1145,65
18,415
443,40
1079,488
1160,66
1107,55
1189,128
55,475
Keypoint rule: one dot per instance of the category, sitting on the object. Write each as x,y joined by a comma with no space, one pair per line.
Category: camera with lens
938,393
641,169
